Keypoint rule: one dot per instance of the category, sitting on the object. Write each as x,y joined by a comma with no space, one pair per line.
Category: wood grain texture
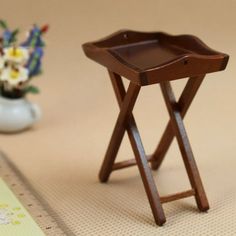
151,57
184,103
140,156
177,196
118,132
145,59
184,145
127,163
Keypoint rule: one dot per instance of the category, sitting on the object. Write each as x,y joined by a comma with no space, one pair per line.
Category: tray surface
151,57
149,54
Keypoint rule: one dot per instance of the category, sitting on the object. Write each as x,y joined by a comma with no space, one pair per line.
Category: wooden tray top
147,58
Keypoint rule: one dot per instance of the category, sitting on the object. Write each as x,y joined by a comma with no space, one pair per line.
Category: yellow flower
17,55
14,76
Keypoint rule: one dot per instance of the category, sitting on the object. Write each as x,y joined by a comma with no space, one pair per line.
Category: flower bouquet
19,64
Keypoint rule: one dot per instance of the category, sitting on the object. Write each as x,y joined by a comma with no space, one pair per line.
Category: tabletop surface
155,55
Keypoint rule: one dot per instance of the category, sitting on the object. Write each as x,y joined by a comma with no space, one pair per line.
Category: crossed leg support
126,122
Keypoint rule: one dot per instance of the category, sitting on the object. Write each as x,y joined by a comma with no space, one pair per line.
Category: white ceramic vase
17,114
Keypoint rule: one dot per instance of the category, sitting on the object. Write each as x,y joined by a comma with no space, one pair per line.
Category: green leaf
31,89
43,44
13,36
3,24
40,72
15,32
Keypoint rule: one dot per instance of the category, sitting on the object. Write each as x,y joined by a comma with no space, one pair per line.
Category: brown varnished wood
118,132
145,59
184,145
184,103
177,196
148,58
140,156
127,163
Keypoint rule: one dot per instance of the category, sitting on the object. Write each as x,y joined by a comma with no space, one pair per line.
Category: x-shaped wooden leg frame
126,122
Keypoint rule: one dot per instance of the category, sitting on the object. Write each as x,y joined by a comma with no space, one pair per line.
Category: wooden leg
140,156
184,145
118,132
184,103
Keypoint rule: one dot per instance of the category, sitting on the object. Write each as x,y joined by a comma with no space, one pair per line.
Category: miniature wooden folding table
146,59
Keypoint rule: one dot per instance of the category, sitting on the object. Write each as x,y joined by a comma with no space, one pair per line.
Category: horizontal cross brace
128,163
177,196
